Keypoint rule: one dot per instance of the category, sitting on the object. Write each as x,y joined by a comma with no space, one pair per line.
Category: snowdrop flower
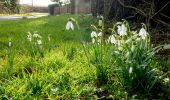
99,40
143,33
100,22
117,52
130,70
134,32
98,17
112,39
138,39
54,89
120,48
166,80
36,35
166,46
127,54
69,25
119,42
29,36
10,43
133,48
128,41
118,23
122,30
39,42
100,34
93,34
93,40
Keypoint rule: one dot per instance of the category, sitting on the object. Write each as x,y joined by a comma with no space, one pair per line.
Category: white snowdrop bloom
69,25
10,44
98,17
93,40
133,48
100,22
99,40
29,36
119,29
93,34
39,42
127,54
130,70
36,35
117,52
100,34
134,32
29,39
119,23
122,30
120,48
112,39
166,46
138,39
143,33
119,42
128,41
166,80
54,89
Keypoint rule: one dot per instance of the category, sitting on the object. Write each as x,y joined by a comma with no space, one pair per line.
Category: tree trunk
72,6
94,7
100,7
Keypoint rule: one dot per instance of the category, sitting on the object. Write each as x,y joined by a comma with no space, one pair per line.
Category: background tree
11,6
73,2
152,12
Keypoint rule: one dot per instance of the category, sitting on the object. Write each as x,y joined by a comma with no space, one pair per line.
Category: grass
39,77
55,26
66,69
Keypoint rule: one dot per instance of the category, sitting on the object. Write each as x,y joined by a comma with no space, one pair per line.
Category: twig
160,21
165,15
160,9
146,2
138,10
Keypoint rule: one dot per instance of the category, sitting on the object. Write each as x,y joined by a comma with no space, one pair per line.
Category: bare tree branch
127,6
162,22
165,15
160,9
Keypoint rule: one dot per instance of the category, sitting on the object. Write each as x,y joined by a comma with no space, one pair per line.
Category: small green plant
10,60
98,54
35,44
134,58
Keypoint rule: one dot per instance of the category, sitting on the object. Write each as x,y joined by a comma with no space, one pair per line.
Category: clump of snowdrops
127,55
35,44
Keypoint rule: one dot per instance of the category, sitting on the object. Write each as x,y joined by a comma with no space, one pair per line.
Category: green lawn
55,26
69,66
36,77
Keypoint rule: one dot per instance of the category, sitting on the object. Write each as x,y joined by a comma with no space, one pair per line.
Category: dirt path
17,17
